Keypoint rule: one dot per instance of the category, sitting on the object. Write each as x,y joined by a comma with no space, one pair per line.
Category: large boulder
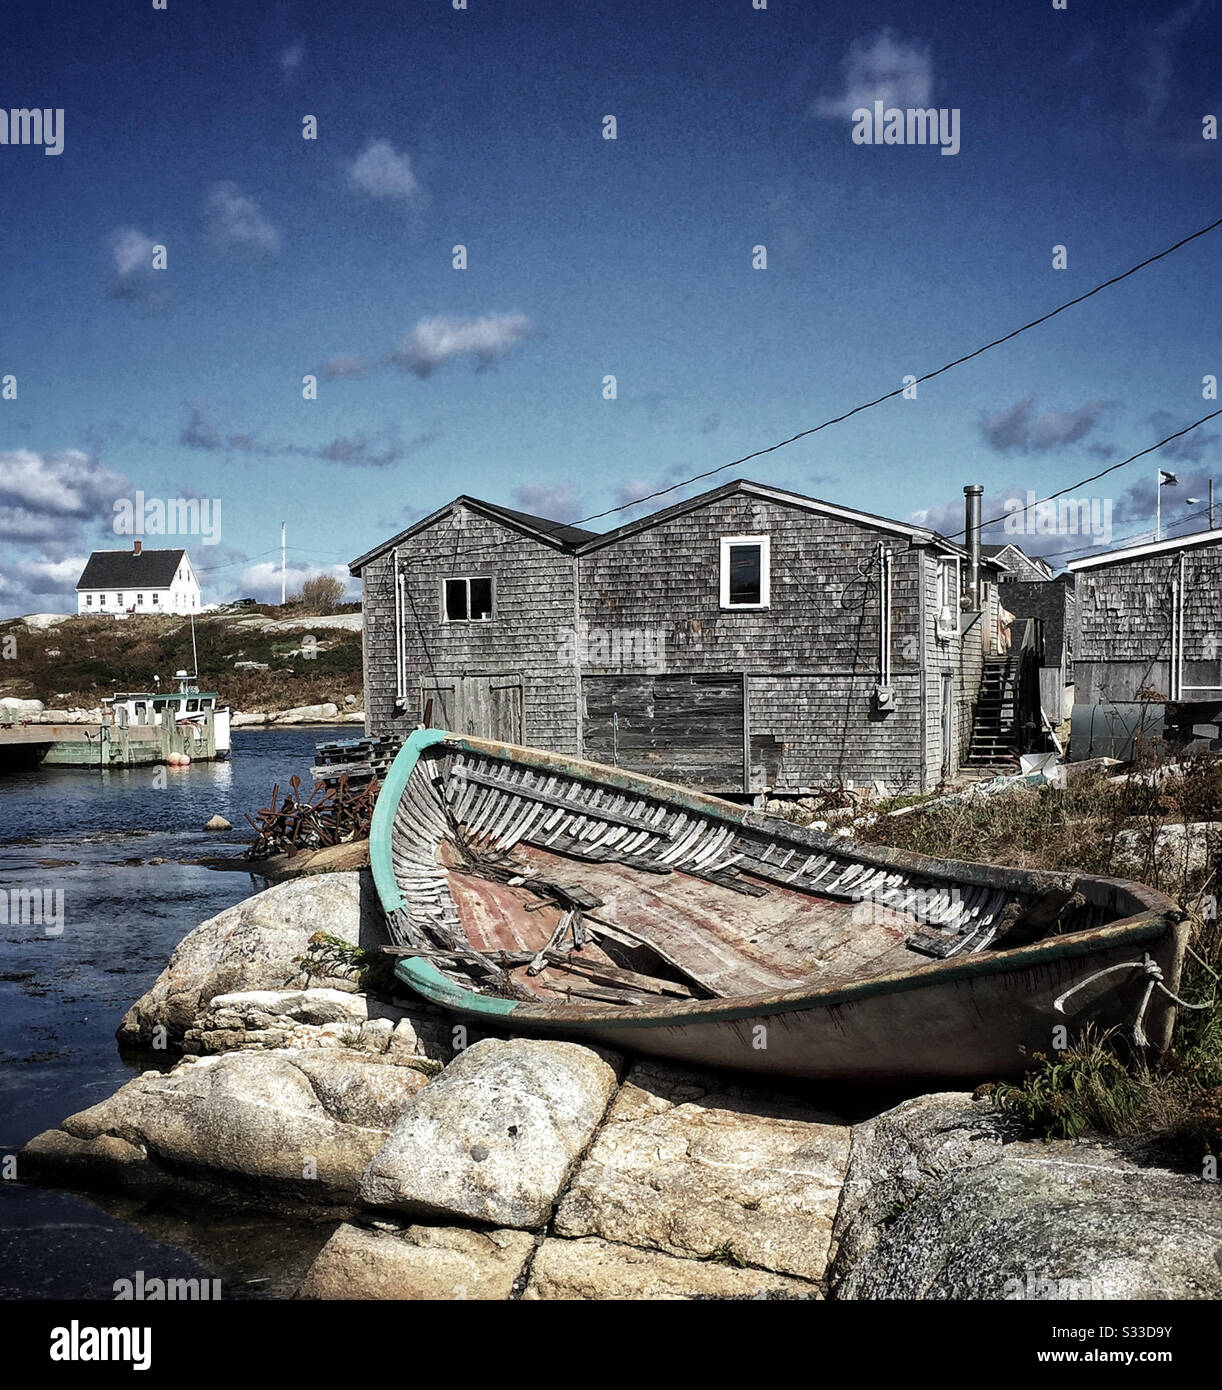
15,707
941,1202
495,1136
693,1166
294,1124
434,1263
598,1269
256,945
333,1018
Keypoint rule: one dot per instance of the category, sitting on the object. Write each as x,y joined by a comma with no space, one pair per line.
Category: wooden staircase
994,744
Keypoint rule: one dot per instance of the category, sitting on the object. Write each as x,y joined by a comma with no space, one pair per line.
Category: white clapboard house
121,582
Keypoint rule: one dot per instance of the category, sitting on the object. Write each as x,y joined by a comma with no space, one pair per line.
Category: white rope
1154,980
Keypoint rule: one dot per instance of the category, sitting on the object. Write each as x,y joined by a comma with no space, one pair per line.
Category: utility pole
1211,504
282,564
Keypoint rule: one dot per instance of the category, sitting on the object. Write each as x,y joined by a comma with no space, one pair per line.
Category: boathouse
1148,645
750,639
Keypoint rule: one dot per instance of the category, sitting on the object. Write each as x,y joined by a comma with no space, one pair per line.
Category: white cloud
235,219
52,576
262,581
381,172
881,68
20,524
555,501
435,341
135,277
67,484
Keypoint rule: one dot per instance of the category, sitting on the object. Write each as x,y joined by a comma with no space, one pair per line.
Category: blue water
86,839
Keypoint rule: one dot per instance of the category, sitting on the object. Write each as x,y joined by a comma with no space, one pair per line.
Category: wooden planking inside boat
530,876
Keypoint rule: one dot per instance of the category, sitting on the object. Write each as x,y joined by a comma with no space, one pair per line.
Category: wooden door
485,706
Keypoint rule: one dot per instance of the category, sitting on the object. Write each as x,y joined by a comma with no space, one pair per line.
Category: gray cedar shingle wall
1124,625
532,632
812,656
650,608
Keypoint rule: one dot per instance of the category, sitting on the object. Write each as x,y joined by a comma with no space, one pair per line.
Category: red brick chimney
136,547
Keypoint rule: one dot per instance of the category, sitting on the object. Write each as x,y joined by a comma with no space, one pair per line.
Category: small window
119,600
468,600
745,565
192,706
140,599
88,600
948,597
156,599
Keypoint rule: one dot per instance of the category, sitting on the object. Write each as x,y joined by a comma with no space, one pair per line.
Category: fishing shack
747,640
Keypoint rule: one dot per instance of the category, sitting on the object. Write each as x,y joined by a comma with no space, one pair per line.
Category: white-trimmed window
157,598
88,600
948,596
467,599
746,581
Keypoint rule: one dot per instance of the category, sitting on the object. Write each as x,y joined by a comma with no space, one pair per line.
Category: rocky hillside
259,659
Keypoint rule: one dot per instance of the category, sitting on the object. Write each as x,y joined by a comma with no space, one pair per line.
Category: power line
899,391
553,529
1137,538
1103,472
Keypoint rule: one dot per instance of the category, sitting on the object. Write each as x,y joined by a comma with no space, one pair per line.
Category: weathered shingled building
749,639
1149,633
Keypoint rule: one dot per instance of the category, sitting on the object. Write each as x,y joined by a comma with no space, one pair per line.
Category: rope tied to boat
1154,980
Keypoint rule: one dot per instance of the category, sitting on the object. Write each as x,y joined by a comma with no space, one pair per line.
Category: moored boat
540,893
188,707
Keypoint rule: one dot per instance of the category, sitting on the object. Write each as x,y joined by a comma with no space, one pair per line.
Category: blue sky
587,257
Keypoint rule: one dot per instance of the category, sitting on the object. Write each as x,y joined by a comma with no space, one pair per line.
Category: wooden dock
120,743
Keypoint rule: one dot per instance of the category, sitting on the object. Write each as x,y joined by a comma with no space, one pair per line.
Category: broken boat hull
714,935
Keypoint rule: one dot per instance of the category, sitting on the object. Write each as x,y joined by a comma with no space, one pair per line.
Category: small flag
1166,479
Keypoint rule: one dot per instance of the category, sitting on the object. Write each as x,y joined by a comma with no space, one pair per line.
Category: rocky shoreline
461,1166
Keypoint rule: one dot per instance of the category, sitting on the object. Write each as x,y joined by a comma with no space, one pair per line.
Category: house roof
124,569
556,533
574,539
1135,552
920,534
995,552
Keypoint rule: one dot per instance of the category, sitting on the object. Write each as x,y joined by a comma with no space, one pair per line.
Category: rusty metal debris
332,815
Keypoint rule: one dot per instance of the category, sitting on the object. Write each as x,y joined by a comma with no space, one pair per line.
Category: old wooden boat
536,893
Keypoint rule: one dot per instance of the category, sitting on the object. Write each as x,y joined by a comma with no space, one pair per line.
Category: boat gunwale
1158,915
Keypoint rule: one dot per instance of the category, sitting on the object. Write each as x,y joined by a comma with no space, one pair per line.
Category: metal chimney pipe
972,494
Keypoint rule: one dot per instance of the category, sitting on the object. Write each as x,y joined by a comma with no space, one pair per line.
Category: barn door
485,706
684,728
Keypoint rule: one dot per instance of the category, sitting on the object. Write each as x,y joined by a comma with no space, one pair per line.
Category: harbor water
96,890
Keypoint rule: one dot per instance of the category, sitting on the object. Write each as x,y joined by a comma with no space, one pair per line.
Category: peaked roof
994,552
920,534
124,569
557,533
576,540
1133,552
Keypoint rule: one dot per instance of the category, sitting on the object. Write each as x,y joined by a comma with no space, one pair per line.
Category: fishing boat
537,893
189,708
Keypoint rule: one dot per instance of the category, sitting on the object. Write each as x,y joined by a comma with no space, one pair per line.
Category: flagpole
1158,505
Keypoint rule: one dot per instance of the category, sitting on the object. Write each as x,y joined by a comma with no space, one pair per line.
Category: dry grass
80,661
1101,1084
